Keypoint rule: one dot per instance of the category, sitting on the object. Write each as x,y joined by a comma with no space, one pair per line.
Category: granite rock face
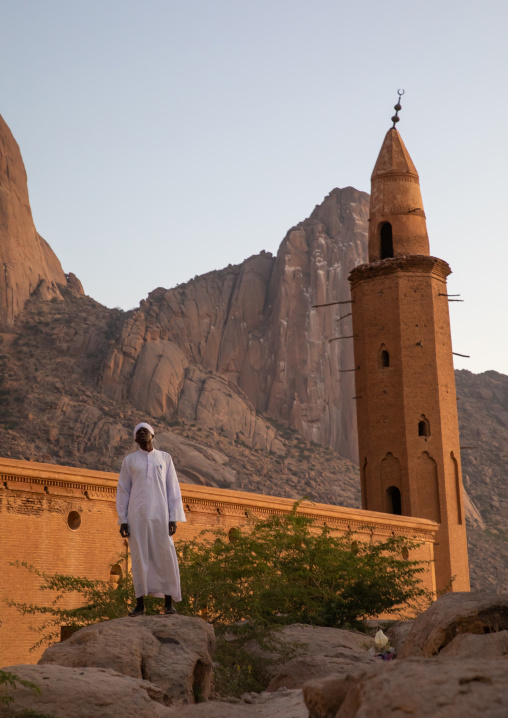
246,340
172,652
27,262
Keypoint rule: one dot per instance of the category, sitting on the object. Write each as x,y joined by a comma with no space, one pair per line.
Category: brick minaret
405,384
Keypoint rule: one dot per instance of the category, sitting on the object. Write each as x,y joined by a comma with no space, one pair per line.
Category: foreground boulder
324,696
173,652
454,614
85,693
319,652
430,689
472,645
298,671
218,710
283,704
419,687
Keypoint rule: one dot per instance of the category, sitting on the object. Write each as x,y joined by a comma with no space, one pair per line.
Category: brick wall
37,499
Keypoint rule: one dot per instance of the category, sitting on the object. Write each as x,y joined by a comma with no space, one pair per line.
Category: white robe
147,498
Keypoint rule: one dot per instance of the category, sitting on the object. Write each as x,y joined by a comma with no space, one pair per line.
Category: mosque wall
63,519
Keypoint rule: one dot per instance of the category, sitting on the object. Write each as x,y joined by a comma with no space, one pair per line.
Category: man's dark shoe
137,611
168,610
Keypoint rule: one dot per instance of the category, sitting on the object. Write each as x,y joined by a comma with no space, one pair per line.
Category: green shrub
287,569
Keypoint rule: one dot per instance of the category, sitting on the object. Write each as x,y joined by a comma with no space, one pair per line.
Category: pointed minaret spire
397,226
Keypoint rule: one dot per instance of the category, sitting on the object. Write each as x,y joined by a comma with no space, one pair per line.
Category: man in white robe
149,504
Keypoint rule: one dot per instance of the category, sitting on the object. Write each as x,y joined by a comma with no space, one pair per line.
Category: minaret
405,384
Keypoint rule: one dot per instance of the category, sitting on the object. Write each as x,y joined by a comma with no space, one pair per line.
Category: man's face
143,437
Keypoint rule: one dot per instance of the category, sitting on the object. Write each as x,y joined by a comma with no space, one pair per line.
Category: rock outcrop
452,660
321,651
424,688
84,693
218,710
324,696
451,615
149,667
474,645
171,652
283,704
27,262
296,673
248,339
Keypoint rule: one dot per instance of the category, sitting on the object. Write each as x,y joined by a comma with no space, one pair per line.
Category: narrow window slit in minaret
386,241
423,426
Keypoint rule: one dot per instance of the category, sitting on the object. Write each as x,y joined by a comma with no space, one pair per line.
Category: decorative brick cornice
226,502
396,177
413,264
64,481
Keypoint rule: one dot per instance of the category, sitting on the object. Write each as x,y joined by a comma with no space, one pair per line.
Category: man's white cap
143,425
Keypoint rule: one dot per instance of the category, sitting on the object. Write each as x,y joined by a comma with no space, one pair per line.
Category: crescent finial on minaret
397,107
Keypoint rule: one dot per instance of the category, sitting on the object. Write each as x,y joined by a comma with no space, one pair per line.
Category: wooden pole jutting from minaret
405,383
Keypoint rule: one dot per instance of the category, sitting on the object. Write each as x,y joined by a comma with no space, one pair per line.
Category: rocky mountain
235,369
51,409
28,264
483,419
247,339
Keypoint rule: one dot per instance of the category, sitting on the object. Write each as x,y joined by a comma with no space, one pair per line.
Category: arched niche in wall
385,241
233,534
383,357
423,426
115,574
429,505
391,479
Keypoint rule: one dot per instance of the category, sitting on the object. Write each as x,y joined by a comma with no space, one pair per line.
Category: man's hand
172,528
124,530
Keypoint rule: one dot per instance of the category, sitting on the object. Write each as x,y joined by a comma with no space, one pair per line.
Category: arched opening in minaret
394,500
386,241
423,426
383,357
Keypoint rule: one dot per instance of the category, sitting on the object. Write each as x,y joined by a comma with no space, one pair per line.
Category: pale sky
165,139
